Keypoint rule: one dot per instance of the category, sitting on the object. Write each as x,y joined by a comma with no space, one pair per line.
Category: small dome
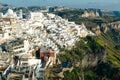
10,14
10,11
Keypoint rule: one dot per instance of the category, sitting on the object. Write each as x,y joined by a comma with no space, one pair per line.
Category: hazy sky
102,4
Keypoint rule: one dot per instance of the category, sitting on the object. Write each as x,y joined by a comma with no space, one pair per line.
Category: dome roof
10,11
10,14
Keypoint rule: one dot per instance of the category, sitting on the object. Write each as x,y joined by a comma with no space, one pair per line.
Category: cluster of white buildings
47,30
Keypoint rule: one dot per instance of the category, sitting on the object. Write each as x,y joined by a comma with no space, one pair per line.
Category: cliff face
91,59
109,37
100,28
90,14
90,51
115,25
96,30
104,27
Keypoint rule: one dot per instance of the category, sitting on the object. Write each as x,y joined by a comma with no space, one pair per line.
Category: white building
1,15
6,35
26,46
36,15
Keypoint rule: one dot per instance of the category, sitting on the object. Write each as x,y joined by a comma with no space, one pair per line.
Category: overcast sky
102,4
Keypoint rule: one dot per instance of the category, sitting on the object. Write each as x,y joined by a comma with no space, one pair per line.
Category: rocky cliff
90,14
104,27
93,57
